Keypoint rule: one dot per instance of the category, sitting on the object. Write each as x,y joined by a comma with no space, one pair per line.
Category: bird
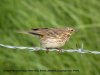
52,38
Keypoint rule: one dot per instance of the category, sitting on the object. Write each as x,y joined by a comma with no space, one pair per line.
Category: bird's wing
54,32
39,31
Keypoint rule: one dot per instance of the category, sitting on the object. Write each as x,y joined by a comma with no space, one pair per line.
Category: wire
80,50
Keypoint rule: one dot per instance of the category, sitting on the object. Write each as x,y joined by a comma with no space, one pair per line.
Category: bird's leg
60,50
47,50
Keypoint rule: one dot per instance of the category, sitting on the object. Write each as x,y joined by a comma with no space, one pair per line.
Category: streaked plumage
52,37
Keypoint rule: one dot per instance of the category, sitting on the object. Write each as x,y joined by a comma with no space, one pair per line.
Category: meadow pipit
52,37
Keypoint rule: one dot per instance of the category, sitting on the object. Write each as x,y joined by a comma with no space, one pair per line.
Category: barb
80,50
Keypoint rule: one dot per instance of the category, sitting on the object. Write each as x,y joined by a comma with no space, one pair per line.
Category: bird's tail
29,32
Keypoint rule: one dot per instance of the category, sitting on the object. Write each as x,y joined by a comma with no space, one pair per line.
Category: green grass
84,15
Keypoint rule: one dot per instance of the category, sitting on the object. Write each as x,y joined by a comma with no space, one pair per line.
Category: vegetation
15,15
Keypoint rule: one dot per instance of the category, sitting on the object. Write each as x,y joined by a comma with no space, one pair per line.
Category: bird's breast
52,43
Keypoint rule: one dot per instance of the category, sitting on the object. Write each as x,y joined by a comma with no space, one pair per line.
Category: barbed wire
80,50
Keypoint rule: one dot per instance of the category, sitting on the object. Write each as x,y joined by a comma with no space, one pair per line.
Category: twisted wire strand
80,50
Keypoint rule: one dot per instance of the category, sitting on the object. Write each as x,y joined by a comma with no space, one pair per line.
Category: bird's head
70,30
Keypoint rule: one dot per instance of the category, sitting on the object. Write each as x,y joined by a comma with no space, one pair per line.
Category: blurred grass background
26,14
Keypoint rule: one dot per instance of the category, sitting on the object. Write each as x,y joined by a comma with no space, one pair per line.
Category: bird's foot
59,50
47,50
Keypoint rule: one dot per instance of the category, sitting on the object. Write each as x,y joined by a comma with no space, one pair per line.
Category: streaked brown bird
52,37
